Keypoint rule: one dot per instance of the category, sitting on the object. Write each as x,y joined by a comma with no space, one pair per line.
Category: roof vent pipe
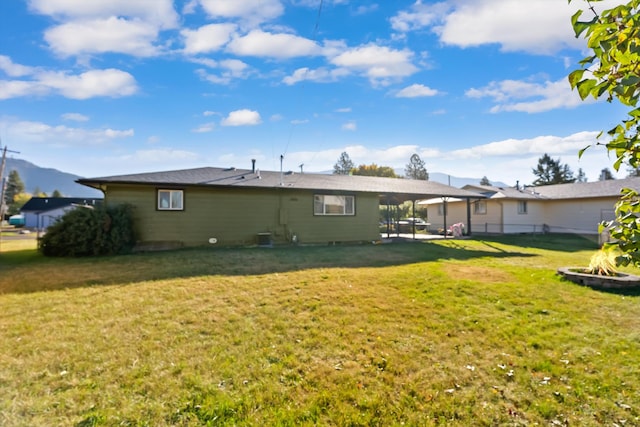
281,179
253,165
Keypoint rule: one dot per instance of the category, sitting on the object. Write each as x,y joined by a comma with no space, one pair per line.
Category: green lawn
456,332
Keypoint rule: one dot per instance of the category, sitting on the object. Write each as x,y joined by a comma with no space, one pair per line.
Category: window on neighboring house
480,207
328,204
170,200
442,209
522,207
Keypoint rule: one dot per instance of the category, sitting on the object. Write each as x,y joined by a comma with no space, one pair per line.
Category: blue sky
475,87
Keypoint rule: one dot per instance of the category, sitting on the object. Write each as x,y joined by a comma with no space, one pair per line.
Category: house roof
398,189
576,190
45,204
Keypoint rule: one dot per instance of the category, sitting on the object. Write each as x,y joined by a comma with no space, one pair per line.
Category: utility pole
3,185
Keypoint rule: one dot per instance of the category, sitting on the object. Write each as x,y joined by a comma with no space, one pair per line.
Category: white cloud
417,16
12,69
550,144
16,89
92,83
263,44
365,9
380,64
243,117
209,113
76,117
103,35
252,12
350,126
516,157
533,26
343,110
207,38
416,91
537,97
320,75
207,127
59,135
110,83
160,12
230,69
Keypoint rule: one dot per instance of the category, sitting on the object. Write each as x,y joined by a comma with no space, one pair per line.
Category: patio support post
413,216
444,208
469,217
388,218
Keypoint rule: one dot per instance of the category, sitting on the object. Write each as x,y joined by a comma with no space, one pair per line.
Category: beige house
562,208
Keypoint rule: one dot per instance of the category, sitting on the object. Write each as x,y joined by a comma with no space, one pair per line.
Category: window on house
170,200
326,204
442,209
480,207
522,207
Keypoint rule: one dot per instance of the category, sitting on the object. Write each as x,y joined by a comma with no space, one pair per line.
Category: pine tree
550,171
605,175
15,186
485,181
344,165
416,169
582,177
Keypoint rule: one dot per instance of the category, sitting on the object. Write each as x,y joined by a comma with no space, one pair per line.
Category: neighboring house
560,208
41,212
239,207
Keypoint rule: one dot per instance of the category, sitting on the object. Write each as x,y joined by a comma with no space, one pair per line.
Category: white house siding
456,212
578,216
531,222
43,220
491,221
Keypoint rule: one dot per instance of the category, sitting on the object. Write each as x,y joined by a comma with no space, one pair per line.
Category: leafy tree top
485,181
612,70
375,170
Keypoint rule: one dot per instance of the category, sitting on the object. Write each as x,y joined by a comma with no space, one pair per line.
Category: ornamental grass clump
603,263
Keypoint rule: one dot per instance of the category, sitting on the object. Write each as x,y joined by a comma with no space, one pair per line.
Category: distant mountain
459,182
48,180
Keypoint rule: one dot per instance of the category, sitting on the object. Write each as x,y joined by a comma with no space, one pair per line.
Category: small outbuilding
40,212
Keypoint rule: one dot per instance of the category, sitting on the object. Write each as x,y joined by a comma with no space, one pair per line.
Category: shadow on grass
552,242
28,271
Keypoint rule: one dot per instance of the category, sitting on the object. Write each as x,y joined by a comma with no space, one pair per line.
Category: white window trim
523,208
442,209
320,198
172,194
480,207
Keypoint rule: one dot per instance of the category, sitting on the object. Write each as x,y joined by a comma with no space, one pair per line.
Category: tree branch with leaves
612,71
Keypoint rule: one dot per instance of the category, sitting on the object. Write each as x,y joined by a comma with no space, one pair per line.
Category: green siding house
230,206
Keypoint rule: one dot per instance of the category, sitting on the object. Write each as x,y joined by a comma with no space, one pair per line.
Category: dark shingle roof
44,204
231,177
